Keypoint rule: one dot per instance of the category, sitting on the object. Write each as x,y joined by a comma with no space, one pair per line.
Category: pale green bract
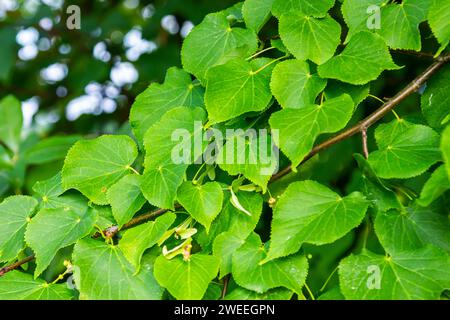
214,42
309,38
309,212
186,280
54,229
232,220
126,198
163,173
177,90
93,166
299,128
289,272
293,84
15,214
237,87
405,149
17,285
103,273
363,60
413,275
202,202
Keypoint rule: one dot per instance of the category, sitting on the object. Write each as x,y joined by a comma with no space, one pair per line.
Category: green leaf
306,207
49,190
162,176
202,202
224,246
336,88
438,183
412,228
54,229
299,128
234,221
11,122
138,239
405,150
310,38
375,189
294,86
126,198
435,100
50,149
244,294
250,154
287,272
438,17
17,285
257,13
186,280
237,87
177,90
357,16
351,65
413,275
105,274
445,148
400,23
93,166
214,42
316,8
15,213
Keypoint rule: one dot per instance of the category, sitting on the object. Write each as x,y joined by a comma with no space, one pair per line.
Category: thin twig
16,265
364,124
226,280
374,117
426,55
364,143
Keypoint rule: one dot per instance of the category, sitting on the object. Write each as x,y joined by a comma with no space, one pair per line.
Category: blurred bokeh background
85,80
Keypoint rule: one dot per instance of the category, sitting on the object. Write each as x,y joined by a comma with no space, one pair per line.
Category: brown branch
425,55
16,265
374,117
359,128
